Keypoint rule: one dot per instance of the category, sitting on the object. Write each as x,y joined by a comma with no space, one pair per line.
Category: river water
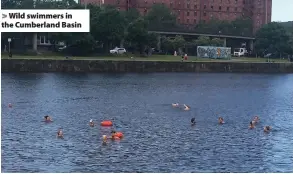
158,138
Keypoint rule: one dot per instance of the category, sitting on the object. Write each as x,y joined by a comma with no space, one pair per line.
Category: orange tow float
119,135
106,123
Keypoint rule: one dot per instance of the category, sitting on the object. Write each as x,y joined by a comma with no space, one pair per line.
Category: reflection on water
158,138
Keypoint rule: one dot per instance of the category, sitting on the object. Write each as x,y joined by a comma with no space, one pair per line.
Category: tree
109,27
166,44
178,42
217,42
272,38
138,34
202,41
131,15
160,17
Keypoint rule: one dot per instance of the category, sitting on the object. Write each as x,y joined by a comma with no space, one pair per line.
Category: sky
282,10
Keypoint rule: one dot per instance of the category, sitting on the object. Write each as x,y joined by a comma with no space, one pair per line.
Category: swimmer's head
91,120
104,137
10,105
113,132
267,128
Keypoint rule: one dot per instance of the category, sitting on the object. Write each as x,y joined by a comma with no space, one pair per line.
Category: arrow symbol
4,16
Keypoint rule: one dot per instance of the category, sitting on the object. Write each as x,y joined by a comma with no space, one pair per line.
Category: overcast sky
282,10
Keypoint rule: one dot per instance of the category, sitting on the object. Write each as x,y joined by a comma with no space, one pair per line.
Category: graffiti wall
214,52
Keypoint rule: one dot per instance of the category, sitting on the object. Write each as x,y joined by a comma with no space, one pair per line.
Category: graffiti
214,52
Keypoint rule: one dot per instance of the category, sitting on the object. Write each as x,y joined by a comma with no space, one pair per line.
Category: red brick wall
193,11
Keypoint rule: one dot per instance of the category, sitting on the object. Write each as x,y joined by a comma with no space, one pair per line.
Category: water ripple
158,138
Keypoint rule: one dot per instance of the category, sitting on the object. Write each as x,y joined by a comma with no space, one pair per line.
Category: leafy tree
202,41
217,42
138,34
110,25
166,44
131,15
139,37
178,42
160,16
272,38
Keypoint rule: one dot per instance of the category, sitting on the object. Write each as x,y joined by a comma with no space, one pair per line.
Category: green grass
168,58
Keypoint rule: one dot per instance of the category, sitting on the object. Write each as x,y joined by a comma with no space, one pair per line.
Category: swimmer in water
256,119
47,118
113,134
104,140
60,133
192,121
10,105
267,129
186,108
251,125
221,120
92,124
175,105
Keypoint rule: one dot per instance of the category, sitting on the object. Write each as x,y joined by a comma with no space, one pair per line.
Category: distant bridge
197,34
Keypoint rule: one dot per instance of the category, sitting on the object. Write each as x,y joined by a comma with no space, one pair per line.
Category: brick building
193,11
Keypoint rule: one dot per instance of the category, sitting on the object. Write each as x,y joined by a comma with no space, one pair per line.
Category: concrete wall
20,65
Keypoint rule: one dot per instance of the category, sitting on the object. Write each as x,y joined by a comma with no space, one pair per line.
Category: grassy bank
151,58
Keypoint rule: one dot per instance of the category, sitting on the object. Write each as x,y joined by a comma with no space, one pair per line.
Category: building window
204,14
236,9
187,21
188,6
194,21
171,5
145,11
195,6
212,7
187,13
243,1
228,1
204,7
236,1
220,8
195,13
44,40
228,8
118,2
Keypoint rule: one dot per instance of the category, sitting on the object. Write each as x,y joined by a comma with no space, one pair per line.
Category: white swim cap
91,120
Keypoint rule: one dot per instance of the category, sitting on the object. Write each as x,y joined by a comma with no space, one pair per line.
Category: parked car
62,48
118,51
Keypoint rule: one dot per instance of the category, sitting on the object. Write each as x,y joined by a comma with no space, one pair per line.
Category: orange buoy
116,138
106,123
119,134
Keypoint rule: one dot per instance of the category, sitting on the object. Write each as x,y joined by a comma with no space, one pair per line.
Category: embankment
26,65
